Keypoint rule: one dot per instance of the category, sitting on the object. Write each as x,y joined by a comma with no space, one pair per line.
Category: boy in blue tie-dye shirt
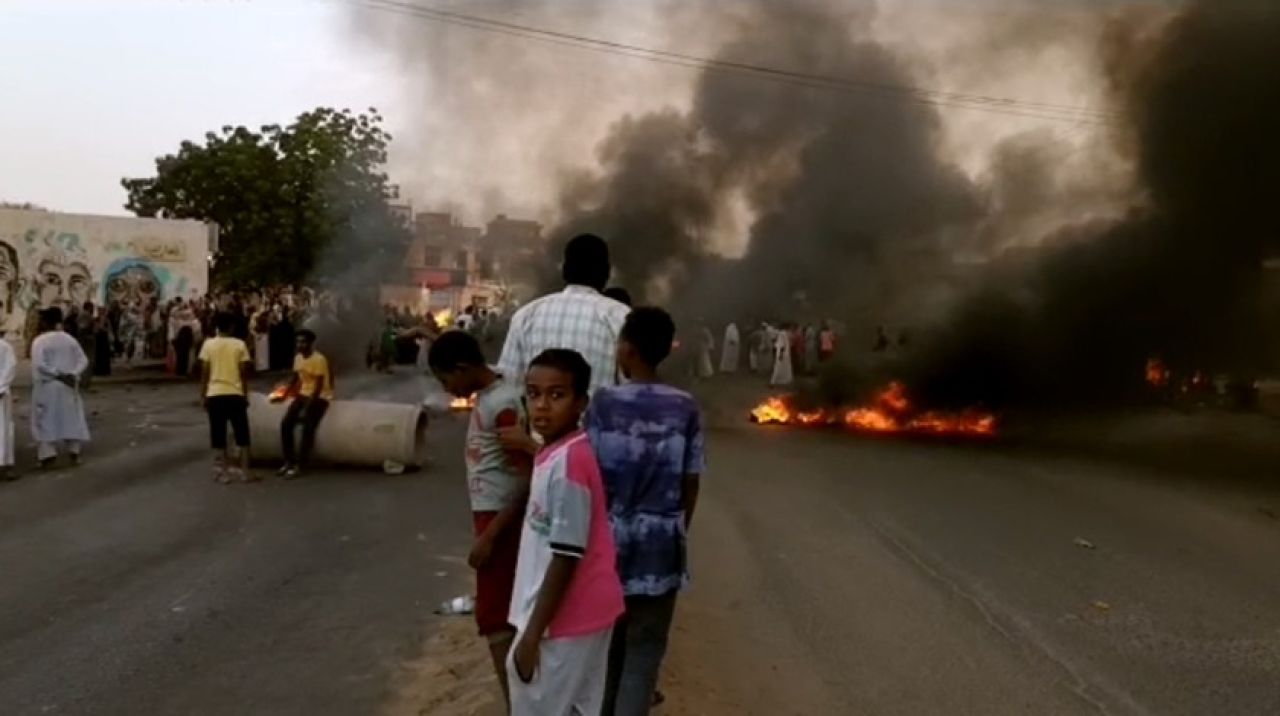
648,440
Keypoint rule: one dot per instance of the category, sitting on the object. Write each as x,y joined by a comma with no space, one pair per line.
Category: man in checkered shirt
578,318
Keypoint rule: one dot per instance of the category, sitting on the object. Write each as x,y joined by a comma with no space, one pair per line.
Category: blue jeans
635,656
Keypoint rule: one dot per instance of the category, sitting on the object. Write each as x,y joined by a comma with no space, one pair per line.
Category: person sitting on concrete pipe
313,384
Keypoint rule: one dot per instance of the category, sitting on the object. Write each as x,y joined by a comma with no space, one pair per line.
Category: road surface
839,575
833,575
135,585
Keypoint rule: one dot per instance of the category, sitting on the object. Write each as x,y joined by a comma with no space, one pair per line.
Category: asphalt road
832,575
844,575
134,584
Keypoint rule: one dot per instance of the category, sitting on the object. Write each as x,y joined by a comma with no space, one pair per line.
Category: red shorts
496,579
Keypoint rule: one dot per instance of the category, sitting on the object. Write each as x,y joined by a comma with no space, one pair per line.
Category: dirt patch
453,677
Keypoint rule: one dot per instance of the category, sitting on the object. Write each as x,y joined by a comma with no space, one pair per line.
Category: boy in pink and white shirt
567,594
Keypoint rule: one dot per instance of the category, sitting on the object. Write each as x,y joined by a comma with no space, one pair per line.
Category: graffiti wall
53,259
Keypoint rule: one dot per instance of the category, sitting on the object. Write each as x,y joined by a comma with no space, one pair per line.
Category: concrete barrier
358,433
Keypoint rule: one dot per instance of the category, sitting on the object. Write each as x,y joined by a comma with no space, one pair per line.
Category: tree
306,202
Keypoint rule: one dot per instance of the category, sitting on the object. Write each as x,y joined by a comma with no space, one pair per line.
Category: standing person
767,347
281,339
8,371
782,374
651,477
86,334
103,344
826,342
810,349
732,349
881,342
566,596
754,342
497,480
313,382
796,333
706,347
115,314
57,412
224,376
182,336
131,333
261,324
387,346
579,317
31,326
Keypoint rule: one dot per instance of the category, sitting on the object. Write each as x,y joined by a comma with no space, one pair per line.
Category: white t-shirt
492,479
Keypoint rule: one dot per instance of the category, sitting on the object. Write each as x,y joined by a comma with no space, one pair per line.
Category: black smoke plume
1182,276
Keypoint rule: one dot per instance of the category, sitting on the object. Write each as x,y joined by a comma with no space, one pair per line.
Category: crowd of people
59,364
781,351
583,469
583,466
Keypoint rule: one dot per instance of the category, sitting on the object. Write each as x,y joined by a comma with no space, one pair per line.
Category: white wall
48,258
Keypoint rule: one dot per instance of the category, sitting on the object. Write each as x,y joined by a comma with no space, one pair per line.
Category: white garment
570,678
706,346
578,318
48,451
782,374
57,412
261,352
8,369
732,350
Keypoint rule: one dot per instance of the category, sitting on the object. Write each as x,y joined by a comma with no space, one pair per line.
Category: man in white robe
706,347
782,373
57,412
8,369
732,349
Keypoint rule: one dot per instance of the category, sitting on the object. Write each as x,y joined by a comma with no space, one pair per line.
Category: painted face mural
136,284
63,282
9,278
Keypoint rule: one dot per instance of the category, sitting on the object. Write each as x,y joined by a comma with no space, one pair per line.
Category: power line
920,95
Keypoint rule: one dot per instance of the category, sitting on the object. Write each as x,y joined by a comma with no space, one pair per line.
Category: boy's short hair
651,332
452,350
570,362
222,321
308,335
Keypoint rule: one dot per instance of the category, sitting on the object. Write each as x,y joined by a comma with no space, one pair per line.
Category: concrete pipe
359,433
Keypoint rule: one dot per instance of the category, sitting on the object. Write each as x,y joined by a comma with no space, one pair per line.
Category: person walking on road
224,373
57,411
8,370
313,381
732,349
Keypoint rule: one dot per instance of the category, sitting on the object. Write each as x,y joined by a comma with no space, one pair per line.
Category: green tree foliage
306,202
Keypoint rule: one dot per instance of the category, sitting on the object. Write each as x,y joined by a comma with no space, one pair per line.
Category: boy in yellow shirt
313,383
224,370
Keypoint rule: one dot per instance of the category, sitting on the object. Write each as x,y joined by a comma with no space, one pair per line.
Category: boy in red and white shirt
567,594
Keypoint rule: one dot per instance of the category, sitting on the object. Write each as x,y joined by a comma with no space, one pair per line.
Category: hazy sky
93,90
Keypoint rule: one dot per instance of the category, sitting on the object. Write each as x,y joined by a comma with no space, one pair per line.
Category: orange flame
890,412
1158,373
284,391
463,403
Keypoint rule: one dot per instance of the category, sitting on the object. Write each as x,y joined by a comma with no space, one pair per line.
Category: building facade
450,265
50,258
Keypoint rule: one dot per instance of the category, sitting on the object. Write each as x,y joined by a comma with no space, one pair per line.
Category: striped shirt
578,318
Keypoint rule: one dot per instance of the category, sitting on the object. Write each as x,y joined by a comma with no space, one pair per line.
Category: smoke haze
1038,259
